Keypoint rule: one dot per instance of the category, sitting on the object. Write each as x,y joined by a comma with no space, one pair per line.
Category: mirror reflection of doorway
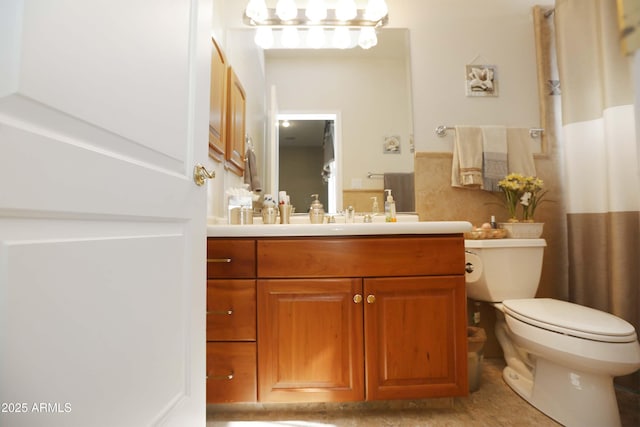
307,159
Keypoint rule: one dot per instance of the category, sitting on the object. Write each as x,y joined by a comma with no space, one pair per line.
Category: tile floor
494,404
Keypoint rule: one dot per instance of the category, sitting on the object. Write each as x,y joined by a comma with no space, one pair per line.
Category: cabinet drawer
231,258
361,257
231,310
231,372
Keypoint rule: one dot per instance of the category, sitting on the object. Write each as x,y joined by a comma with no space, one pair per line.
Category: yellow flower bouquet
520,190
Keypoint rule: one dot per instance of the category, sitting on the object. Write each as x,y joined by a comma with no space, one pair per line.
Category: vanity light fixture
316,10
286,9
346,10
257,10
290,38
346,23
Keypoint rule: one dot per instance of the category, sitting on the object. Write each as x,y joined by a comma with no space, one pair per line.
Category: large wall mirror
369,91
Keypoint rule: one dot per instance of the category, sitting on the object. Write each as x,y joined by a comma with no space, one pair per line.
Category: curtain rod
533,132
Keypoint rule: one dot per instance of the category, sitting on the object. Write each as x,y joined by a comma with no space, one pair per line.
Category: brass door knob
357,298
201,174
371,299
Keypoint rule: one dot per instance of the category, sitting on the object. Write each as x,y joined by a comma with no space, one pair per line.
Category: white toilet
561,357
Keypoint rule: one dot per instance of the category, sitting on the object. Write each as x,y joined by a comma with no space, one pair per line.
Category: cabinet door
310,346
236,124
218,103
415,337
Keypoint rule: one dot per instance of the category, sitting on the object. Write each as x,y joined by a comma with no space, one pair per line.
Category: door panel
310,345
102,238
412,346
75,328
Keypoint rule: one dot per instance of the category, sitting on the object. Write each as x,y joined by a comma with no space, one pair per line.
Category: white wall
446,36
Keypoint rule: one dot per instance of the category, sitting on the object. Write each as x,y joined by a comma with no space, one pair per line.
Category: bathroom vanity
326,313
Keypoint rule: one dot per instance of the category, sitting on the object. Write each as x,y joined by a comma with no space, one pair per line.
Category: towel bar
533,132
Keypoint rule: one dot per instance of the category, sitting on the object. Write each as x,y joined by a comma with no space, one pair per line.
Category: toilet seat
571,319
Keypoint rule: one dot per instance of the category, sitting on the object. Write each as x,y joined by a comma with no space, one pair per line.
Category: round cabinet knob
357,298
371,299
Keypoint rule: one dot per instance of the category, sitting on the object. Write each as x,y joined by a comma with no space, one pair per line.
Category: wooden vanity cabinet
336,318
231,321
361,318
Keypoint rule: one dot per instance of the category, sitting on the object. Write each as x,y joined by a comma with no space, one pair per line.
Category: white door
103,114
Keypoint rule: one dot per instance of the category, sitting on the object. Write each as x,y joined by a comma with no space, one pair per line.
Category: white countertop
338,229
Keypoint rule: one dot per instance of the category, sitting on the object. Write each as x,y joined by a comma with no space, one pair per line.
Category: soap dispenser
316,211
389,208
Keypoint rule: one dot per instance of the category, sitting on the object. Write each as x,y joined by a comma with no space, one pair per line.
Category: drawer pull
221,312
225,260
221,377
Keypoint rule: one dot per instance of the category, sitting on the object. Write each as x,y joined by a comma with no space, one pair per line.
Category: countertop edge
358,229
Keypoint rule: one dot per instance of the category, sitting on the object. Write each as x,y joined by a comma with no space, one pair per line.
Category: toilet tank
504,268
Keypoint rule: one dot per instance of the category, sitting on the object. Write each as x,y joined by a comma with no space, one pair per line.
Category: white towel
520,155
494,156
466,169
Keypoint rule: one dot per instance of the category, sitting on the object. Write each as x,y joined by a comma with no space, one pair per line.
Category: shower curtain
601,160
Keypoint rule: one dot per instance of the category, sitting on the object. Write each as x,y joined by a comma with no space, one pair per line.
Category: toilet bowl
561,357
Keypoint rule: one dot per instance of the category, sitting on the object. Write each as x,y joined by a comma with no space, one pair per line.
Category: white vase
523,230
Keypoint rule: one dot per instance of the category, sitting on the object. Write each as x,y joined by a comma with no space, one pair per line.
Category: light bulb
286,10
257,10
346,10
376,10
264,37
315,37
316,10
290,38
341,38
367,38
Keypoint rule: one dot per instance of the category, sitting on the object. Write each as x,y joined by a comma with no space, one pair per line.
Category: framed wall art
481,80
391,145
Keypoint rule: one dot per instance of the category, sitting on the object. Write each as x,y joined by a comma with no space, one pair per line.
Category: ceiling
302,133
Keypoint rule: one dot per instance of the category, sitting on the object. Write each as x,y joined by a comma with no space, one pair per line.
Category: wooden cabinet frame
227,114
218,103
236,124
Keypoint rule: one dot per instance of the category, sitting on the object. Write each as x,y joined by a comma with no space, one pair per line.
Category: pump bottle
389,208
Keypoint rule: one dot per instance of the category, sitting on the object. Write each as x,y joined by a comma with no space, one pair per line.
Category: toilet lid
571,319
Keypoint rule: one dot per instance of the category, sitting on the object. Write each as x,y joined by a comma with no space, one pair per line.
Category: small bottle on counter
493,222
389,208
316,211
